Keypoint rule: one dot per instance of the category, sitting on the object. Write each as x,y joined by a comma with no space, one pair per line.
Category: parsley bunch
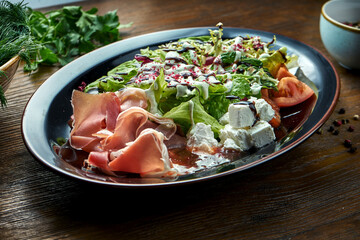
70,32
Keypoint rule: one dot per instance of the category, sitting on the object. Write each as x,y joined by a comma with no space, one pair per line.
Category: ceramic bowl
9,68
341,40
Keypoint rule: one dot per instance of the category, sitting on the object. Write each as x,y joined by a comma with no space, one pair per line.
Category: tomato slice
283,72
290,92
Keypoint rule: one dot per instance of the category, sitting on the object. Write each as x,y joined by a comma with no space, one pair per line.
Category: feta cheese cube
201,137
240,116
230,144
224,119
240,137
265,111
261,134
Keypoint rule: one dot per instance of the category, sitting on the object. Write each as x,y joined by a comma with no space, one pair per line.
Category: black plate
47,112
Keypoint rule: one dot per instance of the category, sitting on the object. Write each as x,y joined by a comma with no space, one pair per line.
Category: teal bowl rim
336,23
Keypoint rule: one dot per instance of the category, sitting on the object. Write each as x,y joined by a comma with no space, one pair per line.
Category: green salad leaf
116,78
191,112
158,53
195,39
240,87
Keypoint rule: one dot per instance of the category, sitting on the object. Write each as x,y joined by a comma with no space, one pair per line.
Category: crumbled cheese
261,134
240,116
201,137
231,144
265,111
240,137
224,119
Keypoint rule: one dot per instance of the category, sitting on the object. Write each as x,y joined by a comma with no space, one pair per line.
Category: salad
185,106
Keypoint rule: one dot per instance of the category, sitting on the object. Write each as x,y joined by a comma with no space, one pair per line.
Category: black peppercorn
352,149
342,111
331,129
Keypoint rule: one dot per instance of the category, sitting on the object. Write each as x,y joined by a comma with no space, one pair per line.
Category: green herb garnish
2,97
70,32
15,36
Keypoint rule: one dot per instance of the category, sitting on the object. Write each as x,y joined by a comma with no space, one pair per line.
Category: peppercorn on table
309,192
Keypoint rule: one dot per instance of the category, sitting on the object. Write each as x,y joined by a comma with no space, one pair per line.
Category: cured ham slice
96,112
101,161
149,161
152,160
92,113
131,123
131,97
120,135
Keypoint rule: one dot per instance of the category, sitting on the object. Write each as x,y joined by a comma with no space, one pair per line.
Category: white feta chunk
240,137
241,116
265,111
231,144
201,137
261,134
224,119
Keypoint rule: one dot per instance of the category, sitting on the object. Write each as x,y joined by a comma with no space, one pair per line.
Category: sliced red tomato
290,92
283,72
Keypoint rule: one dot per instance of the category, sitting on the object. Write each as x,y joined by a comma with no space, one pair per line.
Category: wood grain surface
310,192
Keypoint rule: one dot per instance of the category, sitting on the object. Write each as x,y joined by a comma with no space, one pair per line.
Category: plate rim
273,155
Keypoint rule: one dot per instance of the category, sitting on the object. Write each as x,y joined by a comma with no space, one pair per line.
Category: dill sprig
15,36
3,100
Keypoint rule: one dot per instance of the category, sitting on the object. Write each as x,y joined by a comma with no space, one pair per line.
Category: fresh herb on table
52,38
2,97
69,32
15,36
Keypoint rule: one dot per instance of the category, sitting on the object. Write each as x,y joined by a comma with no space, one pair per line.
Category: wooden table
310,192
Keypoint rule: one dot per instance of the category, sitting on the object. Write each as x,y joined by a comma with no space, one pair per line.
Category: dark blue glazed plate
48,110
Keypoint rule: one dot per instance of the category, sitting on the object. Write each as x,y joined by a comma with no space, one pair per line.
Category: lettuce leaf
167,103
158,53
273,62
116,79
217,105
127,70
199,38
240,87
191,112
105,84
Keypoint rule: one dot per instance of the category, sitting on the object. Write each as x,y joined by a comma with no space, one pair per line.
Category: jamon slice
147,155
132,97
150,161
92,113
131,123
